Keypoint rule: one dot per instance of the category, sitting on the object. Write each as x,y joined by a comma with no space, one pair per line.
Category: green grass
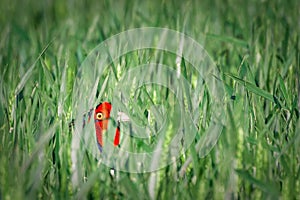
255,46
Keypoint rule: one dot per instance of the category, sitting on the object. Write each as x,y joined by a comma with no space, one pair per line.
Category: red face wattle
101,117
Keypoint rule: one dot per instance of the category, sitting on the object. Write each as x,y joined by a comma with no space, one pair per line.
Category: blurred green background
255,45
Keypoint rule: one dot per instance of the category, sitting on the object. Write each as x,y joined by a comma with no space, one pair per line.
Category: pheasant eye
99,116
